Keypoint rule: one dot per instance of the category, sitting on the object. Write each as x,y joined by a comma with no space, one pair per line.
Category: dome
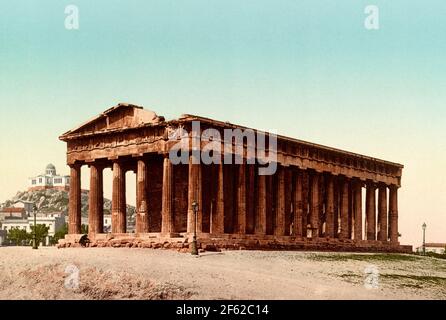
50,170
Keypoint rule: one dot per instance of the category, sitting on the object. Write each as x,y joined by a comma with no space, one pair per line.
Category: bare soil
122,273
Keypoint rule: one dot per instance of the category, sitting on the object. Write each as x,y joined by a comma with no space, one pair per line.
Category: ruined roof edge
99,116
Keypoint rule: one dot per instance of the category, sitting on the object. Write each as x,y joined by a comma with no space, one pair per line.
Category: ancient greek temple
313,201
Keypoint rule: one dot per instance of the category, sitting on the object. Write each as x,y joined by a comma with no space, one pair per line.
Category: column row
299,203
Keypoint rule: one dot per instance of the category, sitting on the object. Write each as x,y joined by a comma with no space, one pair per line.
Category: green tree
18,236
41,232
60,234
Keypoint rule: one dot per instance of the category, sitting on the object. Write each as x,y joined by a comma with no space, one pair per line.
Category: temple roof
122,116
190,117
129,116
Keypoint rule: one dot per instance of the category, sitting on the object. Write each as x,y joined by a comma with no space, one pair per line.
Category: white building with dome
49,180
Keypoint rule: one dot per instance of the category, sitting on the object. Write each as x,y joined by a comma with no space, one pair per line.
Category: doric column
95,200
100,220
74,212
260,219
344,234
382,213
370,207
218,219
119,207
279,226
351,210
194,194
305,201
297,205
330,214
315,205
167,222
393,213
241,199
250,198
142,216
357,203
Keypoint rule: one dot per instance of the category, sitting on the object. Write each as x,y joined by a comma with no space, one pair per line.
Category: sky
308,69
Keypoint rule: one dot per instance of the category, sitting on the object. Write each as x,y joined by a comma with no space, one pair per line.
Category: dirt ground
122,273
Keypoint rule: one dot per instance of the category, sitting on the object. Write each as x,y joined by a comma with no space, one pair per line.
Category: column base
170,235
211,242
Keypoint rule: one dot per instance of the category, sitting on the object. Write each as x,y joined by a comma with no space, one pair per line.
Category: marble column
330,213
260,219
357,206
344,206
119,207
279,225
96,200
74,211
167,222
382,213
297,205
315,205
194,194
241,199
393,213
218,219
370,207
142,215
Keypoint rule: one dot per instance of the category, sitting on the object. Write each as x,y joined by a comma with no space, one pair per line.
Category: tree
18,236
60,234
41,232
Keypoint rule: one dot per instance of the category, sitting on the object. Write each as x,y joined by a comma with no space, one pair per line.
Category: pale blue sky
306,68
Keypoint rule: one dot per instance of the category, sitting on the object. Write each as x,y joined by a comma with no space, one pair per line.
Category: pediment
121,116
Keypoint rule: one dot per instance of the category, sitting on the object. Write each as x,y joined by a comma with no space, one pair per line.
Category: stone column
167,222
357,203
241,199
330,214
305,202
382,213
393,213
119,206
315,206
260,220
142,216
96,200
100,220
250,198
218,219
279,226
370,213
351,210
344,234
74,212
194,194
297,205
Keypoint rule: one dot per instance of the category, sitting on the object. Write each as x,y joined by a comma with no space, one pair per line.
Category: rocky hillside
57,201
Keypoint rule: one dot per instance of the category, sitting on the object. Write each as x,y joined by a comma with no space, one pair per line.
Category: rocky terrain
52,200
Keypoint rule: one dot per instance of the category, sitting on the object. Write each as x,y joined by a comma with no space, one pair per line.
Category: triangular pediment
119,117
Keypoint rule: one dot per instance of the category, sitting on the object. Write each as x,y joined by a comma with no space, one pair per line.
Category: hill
52,200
